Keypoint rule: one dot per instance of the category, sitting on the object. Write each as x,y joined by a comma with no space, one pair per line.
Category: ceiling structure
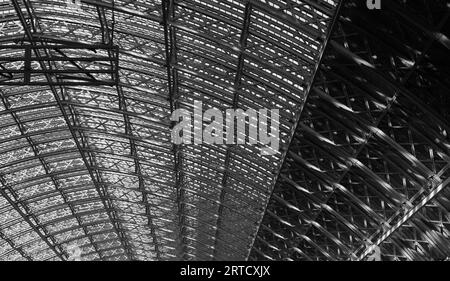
368,169
87,89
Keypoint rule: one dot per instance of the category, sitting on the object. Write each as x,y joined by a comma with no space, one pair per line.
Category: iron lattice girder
209,83
13,248
209,217
236,87
108,33
58,97
68,70
47,170
369,164
168,11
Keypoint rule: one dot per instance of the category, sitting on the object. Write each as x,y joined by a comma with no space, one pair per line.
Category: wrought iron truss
86,95
369,167
86,157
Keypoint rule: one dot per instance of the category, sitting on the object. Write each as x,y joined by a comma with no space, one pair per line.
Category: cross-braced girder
87,89
368,167
93,164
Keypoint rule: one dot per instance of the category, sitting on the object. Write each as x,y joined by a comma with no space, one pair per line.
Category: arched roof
86,95
87,89
368,170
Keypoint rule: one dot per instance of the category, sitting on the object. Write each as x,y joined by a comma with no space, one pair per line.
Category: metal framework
86,157
76,76
368,169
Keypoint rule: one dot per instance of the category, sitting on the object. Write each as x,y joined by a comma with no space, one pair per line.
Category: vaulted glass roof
87,88
88,169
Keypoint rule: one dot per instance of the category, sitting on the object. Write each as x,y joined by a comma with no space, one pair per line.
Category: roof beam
168,12
309,87
108,35
44,164
14,247
59,97
9,194
237,86
435,187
